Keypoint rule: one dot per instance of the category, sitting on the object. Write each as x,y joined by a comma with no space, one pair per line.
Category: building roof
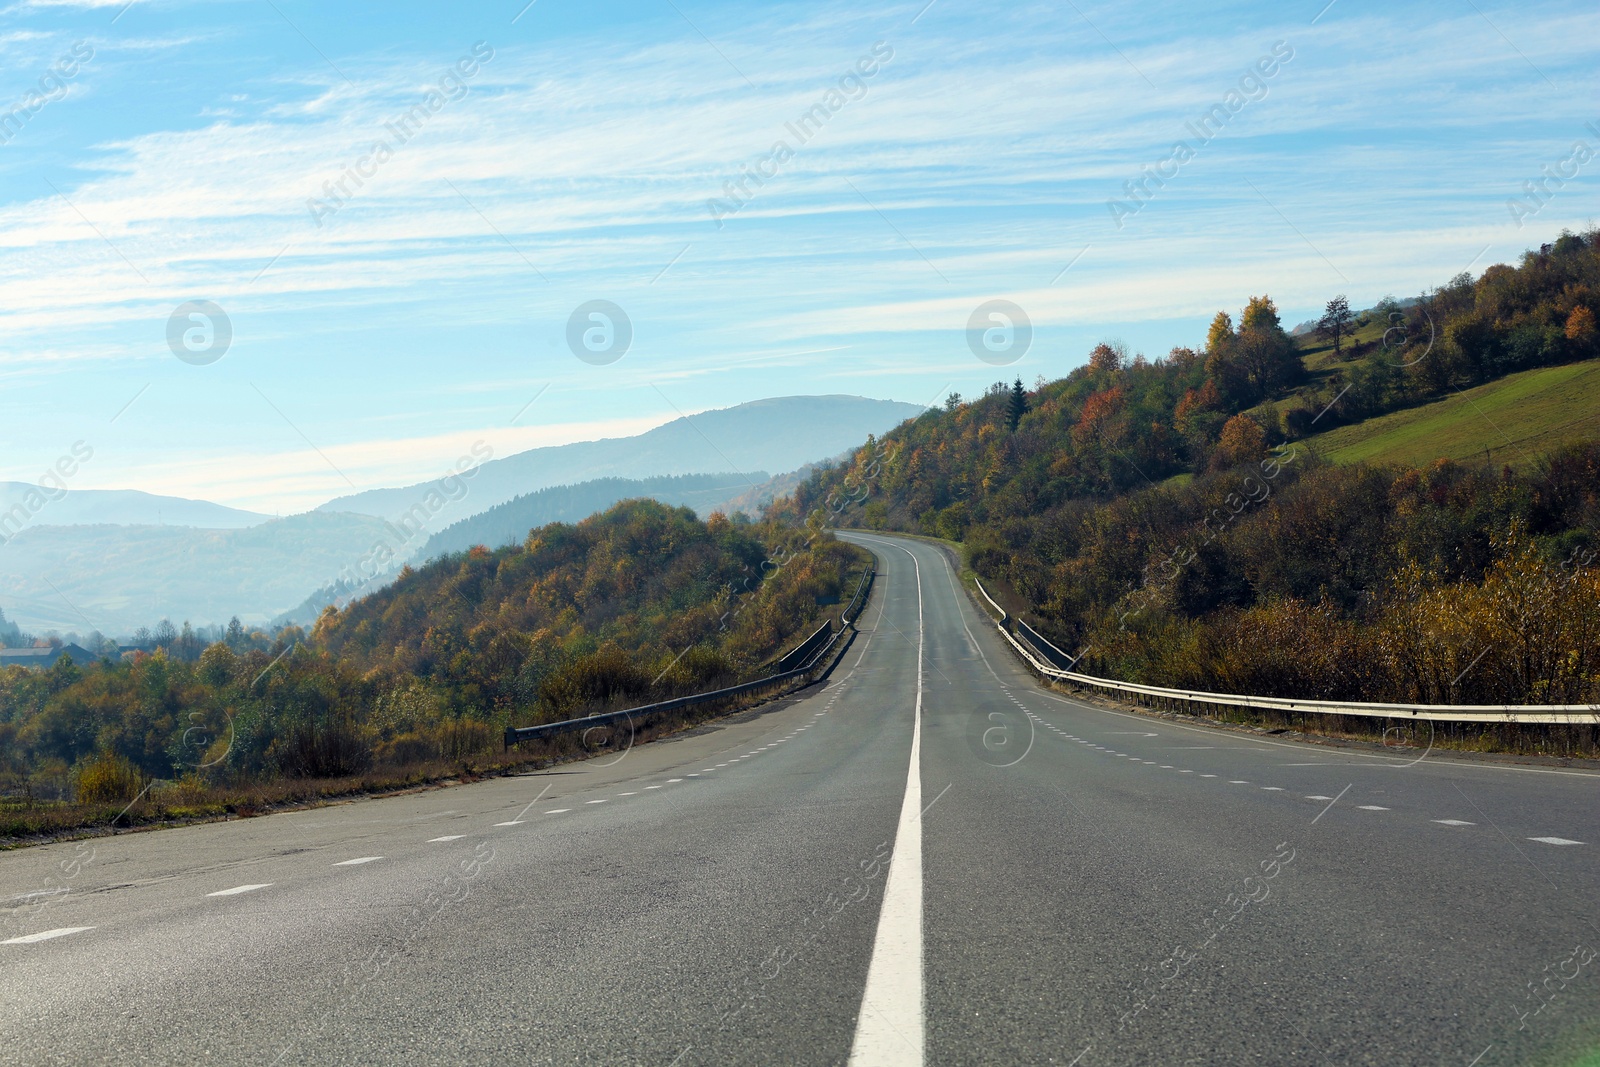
44,656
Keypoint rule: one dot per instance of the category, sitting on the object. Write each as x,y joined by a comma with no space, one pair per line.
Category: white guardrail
1564,714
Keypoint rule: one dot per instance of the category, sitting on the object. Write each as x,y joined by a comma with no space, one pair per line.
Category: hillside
121,507
780,434
117,578
643,601
509,523
1165,520
1510,421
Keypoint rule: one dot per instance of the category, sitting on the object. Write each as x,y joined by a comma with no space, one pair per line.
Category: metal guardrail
515,734
802,652
1562,714
1004,615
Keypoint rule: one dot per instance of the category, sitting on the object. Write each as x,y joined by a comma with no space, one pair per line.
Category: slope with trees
639,603
1166,524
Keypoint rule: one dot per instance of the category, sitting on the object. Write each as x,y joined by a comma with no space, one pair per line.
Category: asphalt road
926,859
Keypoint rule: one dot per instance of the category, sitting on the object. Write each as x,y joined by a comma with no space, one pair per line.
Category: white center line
236,890
890,1028
46,935
449,837
356,862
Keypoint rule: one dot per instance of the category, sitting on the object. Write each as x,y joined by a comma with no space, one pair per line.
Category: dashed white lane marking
652,787
557,811
46,935
358,861
236,890
447,837
1165,767
1185,772
694,775
671,780
1237,781
1208,776
1318,796
513,822
1272,788
1454,822
1372,807
1555,840
600,801
634,794
890,1027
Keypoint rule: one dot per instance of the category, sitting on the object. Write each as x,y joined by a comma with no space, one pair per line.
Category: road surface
927,859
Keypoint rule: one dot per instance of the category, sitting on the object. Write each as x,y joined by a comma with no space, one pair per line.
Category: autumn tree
1257,361
1581,329
1242,441
1107,358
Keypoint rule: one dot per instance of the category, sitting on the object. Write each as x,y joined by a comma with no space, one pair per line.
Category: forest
1163,520
636,604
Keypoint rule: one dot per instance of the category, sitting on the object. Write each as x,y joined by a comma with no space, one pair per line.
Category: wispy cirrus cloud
975,164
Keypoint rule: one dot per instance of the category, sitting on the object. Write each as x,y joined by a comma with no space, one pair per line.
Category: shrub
108,779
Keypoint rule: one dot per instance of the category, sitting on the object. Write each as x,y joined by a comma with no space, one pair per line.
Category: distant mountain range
118,507
780,434
117,578
114,560
509,523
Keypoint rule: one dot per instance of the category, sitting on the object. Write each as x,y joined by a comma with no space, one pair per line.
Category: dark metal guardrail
805,649
1050,653
808,654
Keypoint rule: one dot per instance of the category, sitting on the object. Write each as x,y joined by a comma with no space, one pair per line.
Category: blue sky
374,343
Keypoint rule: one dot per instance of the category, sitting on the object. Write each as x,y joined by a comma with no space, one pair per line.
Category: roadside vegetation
1168,521
418,681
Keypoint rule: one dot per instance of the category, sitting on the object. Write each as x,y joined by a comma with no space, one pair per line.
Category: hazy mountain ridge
509,523
116,578
49,505
778,434
120,559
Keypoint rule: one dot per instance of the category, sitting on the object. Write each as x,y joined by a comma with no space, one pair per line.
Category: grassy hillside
1167,521
1508,421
